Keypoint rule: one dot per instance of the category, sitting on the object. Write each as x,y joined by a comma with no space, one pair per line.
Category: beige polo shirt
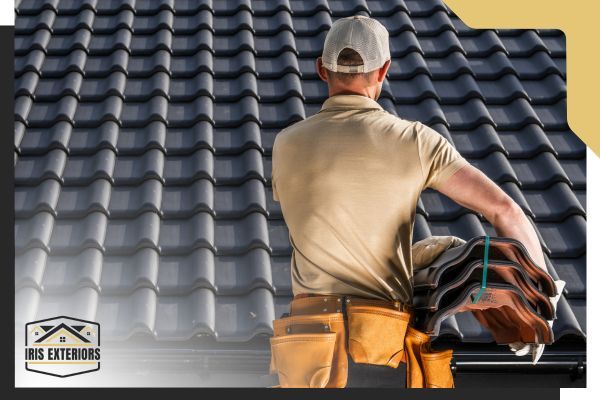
348,179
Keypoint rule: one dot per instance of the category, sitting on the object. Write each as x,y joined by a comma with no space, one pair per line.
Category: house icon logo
62,346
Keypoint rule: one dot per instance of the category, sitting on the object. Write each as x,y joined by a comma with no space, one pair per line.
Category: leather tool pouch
426,368
376,334
316,325
303,360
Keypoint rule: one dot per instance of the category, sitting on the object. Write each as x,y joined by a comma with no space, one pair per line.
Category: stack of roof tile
143,138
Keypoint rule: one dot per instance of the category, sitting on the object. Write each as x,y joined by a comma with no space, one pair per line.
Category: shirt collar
349,101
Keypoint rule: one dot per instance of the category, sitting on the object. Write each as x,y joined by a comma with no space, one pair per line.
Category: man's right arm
470,188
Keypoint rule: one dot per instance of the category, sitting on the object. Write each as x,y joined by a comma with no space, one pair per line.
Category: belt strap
486,253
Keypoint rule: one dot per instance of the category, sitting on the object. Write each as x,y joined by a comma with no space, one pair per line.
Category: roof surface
143,137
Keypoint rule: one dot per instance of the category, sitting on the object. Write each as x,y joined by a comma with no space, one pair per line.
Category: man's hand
470,188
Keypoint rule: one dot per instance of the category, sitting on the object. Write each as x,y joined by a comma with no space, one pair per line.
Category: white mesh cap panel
367,36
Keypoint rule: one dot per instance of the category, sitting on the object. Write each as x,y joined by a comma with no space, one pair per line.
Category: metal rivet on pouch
324,310
288,330
326,327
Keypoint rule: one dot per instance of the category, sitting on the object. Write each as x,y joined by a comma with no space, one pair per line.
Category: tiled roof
143,138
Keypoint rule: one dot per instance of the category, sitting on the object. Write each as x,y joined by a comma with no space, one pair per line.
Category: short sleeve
439,159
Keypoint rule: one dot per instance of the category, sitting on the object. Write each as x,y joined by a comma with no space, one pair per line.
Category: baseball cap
367,36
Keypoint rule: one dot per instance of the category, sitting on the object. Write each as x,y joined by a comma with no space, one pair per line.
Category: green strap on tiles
486,252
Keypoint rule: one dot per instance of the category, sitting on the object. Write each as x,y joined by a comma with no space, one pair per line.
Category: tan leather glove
425,251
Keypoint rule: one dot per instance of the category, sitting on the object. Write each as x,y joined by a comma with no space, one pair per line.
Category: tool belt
311,344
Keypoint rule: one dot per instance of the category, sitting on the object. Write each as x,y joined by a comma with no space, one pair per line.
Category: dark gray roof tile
403,44
492,66
72,236
237,236
540,171
239,200
33,232
424,8
535,66
272,90
513,190
149,24
523,45
237,140
29,24
466,226
401,68
75,6
19,134
576,170
184,201
497,167
526,142
103,65
79,304
131,201
403,91
34,169
230,89
567,144
81,170
236,275
230,66
448,67
273,67
90,140
341,8
514,115
124,275
124,315
107,24
131,170
96,89
579,309
566,323
441,45
431,25
482,45
230,24
230,7
279,238
503,90
198,136
94,114
32,7
43,114
139,114
54,89
30,200
37,41
566,238
150,7
180,170
158,84
468,115
139,140
273,45
554,203
108,43
477,142
160,40
126,236
185,24
427,111
457,90
40,140
581,196
181,236
31,62
178,275
553,116
66,274
161,61
439,207
228,45
421,228
574,272
235,169
182,114
29,268
281,114
556,44
77,202
303,7
270,7
546,91
301,25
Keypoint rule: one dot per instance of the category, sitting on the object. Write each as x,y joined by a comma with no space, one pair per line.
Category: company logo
62,346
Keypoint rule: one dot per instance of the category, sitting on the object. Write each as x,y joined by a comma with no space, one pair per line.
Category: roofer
348,179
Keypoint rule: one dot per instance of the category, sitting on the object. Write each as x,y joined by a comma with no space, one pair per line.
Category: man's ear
321,70
382,72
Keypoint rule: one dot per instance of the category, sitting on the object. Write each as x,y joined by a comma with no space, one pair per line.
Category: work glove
536,350
425,251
